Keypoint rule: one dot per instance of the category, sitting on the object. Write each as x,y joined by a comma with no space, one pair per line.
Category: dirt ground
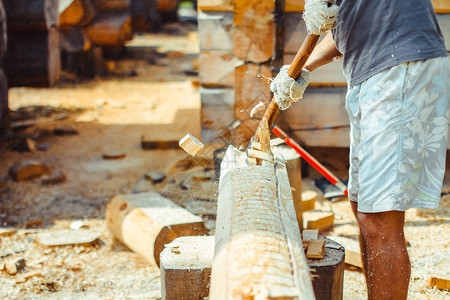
151,93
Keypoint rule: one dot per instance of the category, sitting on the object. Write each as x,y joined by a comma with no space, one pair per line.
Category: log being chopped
258,248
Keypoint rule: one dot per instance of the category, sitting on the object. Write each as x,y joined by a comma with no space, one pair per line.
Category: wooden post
186,268
258,251
293,165
146,222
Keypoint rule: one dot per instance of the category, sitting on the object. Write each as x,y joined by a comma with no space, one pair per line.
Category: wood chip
28,169
7,231
310,234
316,249
67,237
15,266
190,144
117,154
54,178
440,283
65,131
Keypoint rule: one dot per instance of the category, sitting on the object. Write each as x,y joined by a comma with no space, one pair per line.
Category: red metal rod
311,160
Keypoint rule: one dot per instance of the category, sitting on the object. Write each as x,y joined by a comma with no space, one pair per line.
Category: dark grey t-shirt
377,34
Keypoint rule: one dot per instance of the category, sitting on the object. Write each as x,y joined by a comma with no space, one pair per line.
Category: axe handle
294,71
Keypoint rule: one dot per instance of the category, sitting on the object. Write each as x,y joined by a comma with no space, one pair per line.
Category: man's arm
325,52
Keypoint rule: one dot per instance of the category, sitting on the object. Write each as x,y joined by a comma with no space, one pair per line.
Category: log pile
240,40
90,29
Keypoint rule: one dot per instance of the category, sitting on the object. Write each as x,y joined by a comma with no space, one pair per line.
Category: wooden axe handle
294,71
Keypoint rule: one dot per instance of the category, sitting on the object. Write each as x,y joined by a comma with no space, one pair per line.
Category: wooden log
145,16
186,268
111,5
258,252
254,30
36,14
111,29
39,67
217,68
217,112
214,30
75,13
328,273
293,165
146,222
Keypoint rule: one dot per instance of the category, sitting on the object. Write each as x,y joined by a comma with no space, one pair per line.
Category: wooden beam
146,222
258,251
75,13
254,30
217,68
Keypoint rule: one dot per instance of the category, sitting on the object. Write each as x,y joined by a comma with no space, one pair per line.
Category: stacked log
245,39
90,28
4,110
33,55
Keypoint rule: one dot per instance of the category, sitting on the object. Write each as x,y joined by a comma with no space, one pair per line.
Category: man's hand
286,90
320,15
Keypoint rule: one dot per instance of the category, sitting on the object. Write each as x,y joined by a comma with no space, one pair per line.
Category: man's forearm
323,53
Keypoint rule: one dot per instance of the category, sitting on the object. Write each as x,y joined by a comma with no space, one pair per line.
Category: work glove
320,15
286,90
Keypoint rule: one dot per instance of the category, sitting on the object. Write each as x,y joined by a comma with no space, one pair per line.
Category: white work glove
286,90
320,15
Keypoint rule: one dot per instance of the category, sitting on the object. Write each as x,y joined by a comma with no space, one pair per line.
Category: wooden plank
146,222
111,29
318,220
186,267
217,112
255,219
75,13
441,6
217,68
36,14
352,251
254,30
40,67
214,31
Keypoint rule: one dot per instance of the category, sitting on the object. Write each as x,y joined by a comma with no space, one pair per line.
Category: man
397,71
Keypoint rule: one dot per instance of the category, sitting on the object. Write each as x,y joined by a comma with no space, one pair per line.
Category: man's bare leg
383,249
